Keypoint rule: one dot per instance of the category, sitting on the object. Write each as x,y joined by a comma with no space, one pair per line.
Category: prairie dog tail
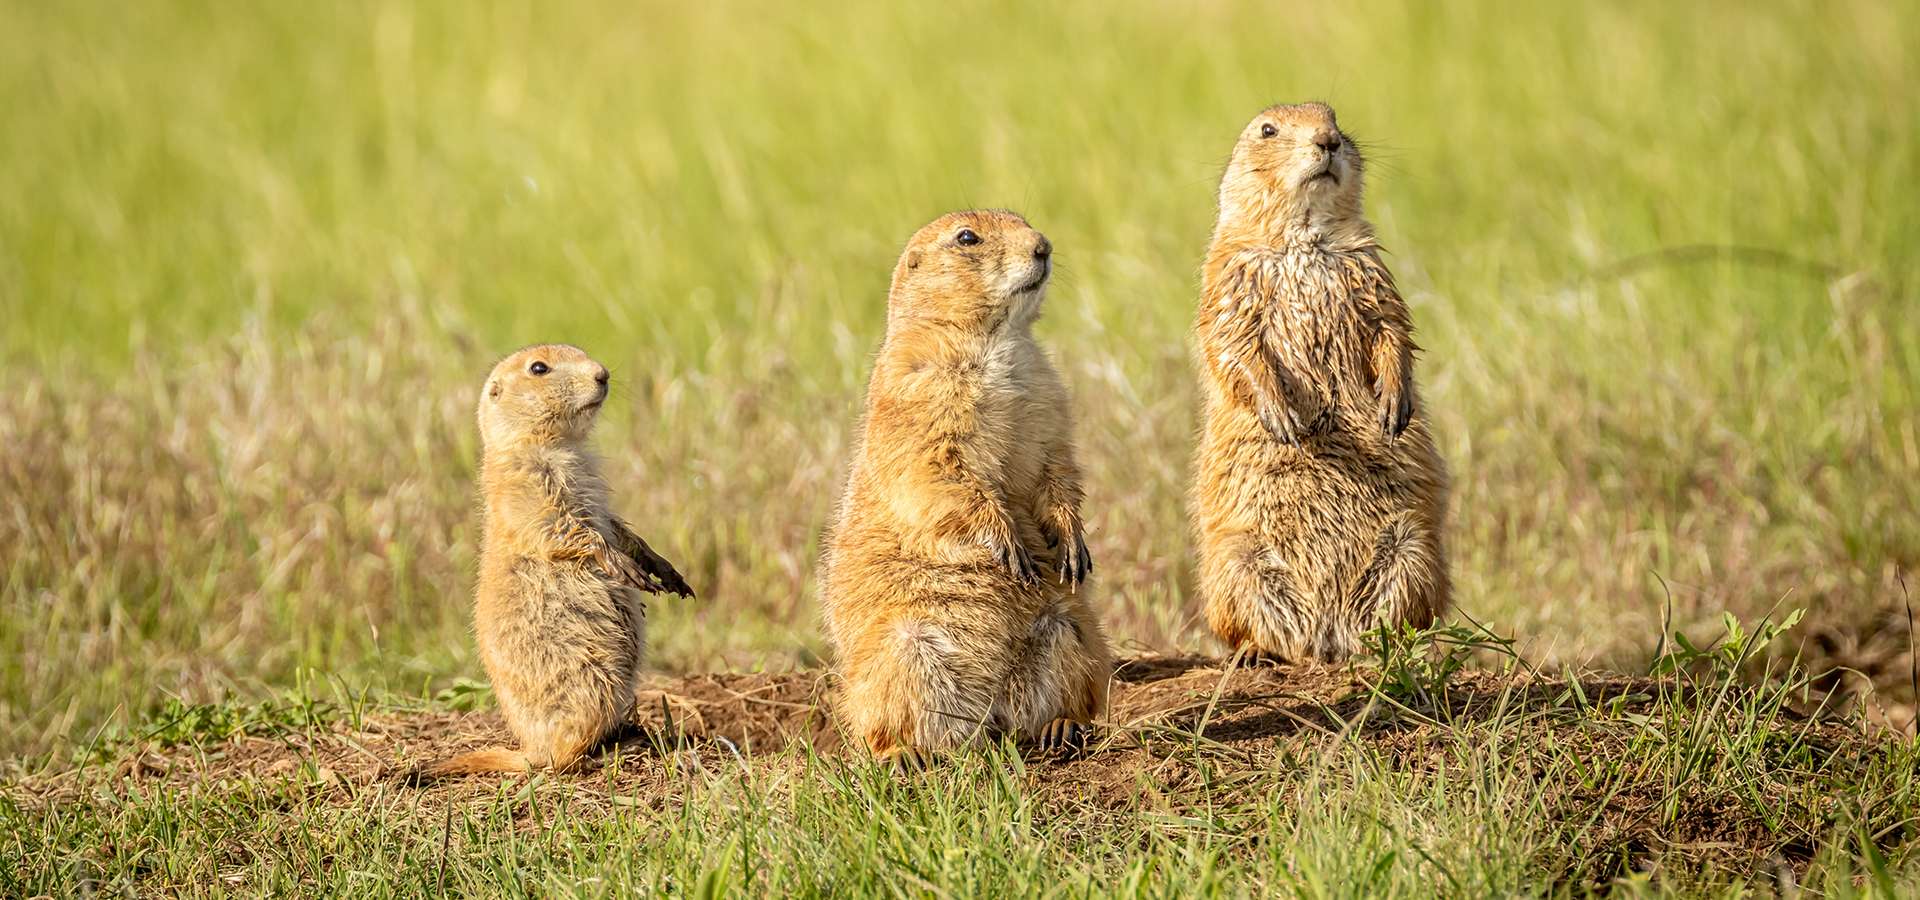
476,762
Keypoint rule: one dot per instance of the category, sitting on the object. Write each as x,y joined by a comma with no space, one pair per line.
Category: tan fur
1318,494
558,612
952,577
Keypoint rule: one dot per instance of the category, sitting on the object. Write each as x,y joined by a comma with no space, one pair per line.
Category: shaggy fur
1318,496
558,612
953,574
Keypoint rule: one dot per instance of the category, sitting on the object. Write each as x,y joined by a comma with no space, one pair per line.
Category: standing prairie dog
953,576
558,611
1318,495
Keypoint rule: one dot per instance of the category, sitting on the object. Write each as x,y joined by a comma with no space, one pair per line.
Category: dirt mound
1178,726
759,715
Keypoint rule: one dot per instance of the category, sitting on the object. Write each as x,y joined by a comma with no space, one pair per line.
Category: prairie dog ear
913,259
494,388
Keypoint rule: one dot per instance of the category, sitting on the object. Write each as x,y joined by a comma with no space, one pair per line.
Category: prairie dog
1318,494
558,610
954,575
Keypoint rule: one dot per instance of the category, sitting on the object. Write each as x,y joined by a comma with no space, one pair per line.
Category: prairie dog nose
1043,249
1327,140
600,375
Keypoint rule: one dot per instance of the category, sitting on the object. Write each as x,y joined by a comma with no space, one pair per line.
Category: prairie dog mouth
1039,279
1327,167
594,404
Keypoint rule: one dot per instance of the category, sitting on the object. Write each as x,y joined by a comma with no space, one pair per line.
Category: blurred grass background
255,259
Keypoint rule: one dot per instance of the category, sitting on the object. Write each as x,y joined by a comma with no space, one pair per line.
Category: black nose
602,376
1327,140
1043,249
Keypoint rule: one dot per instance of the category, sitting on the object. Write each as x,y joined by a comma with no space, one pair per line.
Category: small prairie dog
558,611
1318,495
953,574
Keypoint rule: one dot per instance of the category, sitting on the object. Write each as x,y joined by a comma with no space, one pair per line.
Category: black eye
1267,130
538,368
966,237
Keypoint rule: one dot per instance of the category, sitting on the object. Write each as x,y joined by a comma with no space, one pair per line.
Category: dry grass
225,518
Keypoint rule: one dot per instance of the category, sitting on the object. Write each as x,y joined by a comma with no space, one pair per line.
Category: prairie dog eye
1267,130
966,238
538,368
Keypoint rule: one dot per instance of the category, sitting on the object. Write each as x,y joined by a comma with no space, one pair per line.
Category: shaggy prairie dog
1318,496
559,611
953,577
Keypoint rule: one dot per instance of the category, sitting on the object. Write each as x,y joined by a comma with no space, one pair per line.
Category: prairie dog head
541,394
1294,177
978,267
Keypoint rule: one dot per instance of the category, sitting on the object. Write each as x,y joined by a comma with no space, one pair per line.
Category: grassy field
255,260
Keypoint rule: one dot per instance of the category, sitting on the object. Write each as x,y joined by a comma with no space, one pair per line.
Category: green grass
254,261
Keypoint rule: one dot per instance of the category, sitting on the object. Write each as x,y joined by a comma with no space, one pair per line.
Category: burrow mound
1179,728
756,716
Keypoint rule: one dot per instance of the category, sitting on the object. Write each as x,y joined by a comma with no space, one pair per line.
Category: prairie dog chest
1004,373
1015,398
1317,315
1318,302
